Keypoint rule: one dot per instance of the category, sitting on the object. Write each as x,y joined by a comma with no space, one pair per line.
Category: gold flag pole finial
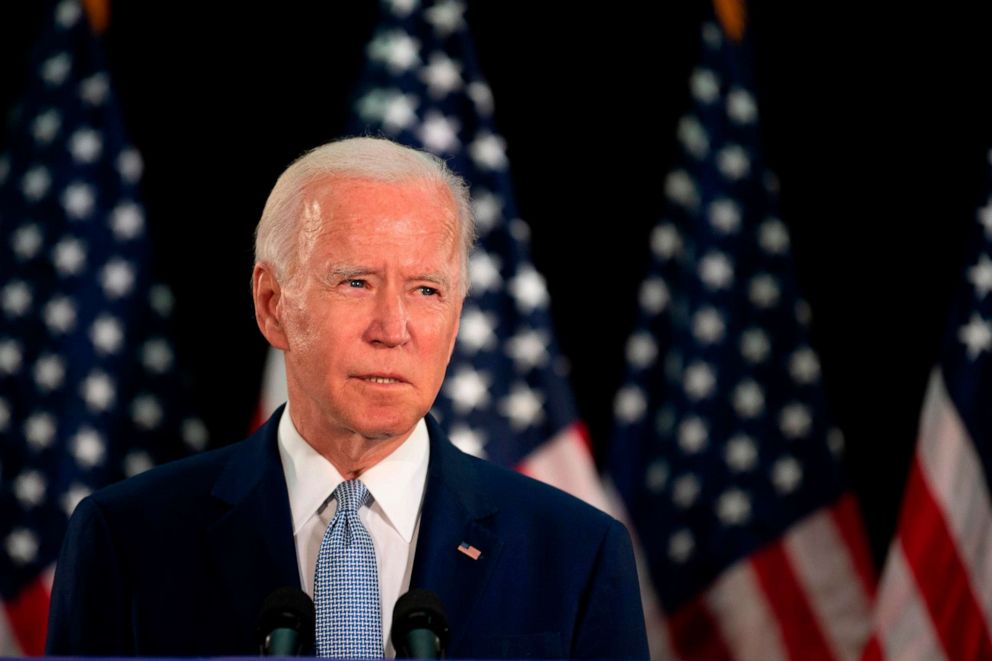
732,17
98,12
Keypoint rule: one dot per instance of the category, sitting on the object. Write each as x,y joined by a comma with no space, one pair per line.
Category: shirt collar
396,482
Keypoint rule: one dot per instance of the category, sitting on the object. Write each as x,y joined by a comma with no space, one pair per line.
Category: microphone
286,623
420,629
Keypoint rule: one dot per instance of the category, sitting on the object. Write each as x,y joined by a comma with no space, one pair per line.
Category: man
351,491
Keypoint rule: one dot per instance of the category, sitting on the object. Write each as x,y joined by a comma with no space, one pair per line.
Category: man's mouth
381,379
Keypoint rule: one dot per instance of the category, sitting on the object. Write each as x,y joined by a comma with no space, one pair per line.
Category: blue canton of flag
505,394
89,391
724,450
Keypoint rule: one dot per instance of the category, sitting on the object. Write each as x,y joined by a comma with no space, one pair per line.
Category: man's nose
389,326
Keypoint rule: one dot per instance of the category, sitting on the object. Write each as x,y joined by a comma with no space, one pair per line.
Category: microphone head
288,608
418,609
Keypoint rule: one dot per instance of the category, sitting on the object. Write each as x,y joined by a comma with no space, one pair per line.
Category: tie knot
351,495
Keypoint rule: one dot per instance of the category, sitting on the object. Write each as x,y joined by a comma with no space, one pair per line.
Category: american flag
89,390
724,450
505,395
935,597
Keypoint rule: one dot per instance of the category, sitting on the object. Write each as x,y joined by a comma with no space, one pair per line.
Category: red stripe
695,633
873,650
583,433
940,573
800,631
847,519
28,616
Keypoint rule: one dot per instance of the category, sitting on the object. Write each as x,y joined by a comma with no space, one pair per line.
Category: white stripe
565,462
8,643
955,477
745,619
826,571
274,391
905,631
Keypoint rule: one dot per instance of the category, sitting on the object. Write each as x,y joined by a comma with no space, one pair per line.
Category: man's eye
428,291
356,283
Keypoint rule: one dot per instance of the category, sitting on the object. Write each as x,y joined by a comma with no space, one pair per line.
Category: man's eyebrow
436,278
345,271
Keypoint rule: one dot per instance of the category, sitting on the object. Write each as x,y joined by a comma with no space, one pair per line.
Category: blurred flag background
647,298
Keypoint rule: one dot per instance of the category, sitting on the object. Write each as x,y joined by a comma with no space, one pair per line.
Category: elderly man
351,491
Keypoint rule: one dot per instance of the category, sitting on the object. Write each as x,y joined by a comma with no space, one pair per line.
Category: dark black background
878,125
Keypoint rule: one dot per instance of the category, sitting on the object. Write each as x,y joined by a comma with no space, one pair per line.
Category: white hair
284,220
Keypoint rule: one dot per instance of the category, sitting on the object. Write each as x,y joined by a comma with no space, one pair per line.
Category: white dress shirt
393,519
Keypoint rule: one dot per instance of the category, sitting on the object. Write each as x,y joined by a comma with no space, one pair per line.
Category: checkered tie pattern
346,586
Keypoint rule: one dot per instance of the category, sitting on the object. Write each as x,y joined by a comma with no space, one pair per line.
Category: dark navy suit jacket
177,561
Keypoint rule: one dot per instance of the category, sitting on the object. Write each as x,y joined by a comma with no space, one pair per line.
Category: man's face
372,312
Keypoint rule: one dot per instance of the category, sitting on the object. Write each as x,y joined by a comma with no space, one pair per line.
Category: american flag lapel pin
469,550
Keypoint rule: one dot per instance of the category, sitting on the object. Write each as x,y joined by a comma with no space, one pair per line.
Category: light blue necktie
346,586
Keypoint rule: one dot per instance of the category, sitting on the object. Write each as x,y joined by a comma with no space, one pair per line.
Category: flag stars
85,145
804,366
704,86
49,372
27,241
446,17
442,75
795,421
693,136
733,162
4,415
528,290
708,326
630,404
803,313
156,355
21,546
117,278
976,335
39,429
528,349
397,50
127,221
98,391
60,315
69,256
146,412
136,462
693,435
724,215
161,299
107,335
741,453
78,200
985,218
666,241
733,507
482,97
67,13
56,69
46,126
835,441
87,447
72,497
476,330
773,237
483,270
787,475
402,8
699,381
488,151
654,295
95,89
468,390
712,35
980,275
439,133
685,490
741,107
130,165
35,183
681,545
749,400
523,406
715,271
468,440
488,209
29,488
194,434
764,291
10,356
641,350
680,189
400,112
656,477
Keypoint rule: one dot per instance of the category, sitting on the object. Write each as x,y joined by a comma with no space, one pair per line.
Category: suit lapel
453,514
252,541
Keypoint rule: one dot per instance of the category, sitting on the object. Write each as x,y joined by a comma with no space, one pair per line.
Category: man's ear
267,295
